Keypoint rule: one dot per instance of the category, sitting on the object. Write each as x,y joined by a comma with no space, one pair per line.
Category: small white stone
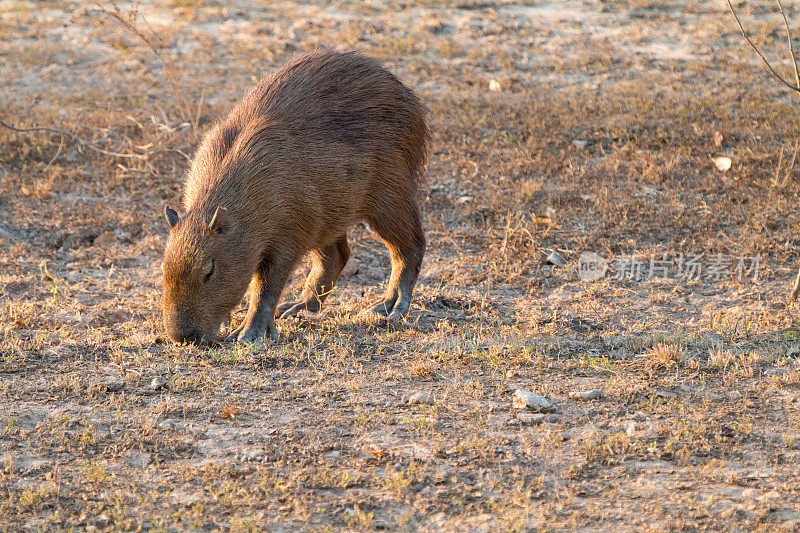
722,163
580,143
495,86
533,402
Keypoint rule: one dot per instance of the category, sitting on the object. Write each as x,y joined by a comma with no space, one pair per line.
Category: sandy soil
607,117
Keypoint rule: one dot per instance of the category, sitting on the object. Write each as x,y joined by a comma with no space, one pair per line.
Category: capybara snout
180,328
329,140
198,264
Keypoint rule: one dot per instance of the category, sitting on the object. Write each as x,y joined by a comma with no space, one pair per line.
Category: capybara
329,140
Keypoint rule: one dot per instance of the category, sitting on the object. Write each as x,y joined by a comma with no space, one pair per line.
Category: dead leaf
374,451
229,411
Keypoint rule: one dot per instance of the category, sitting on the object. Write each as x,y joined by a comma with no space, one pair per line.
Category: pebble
594,394
495,86
157,383
533,402
534,419
580,143
419,398
722,163
350,269
112,384
554,259
105,239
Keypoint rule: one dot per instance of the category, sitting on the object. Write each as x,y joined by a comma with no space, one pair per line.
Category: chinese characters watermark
714,267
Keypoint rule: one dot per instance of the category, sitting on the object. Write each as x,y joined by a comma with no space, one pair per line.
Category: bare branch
795,289
156,47
764,59
791,47
74,137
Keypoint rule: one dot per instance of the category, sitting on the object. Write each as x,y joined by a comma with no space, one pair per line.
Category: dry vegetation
105,426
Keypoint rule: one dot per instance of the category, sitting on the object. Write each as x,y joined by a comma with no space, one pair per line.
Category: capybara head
204,275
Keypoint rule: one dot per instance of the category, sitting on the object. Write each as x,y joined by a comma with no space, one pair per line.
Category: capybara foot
380,309
290,309
400,310
255,334
389,308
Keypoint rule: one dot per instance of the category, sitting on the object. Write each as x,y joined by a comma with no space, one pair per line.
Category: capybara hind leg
266,287
402,233
408,265
327,265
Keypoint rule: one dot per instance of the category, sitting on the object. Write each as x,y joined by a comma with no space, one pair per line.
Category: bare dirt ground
608,114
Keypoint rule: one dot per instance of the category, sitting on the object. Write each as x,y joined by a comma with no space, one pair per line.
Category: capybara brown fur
329,140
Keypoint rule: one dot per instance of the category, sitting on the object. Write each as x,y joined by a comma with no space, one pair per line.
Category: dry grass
105,425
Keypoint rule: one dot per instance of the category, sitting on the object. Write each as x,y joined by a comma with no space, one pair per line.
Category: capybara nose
181,328
191,336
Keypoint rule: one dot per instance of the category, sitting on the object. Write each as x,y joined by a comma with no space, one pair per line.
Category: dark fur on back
329,140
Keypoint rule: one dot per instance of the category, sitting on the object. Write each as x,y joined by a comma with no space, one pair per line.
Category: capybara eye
211,271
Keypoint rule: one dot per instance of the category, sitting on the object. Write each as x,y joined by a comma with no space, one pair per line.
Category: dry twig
796,88
156,46
777,76
82,142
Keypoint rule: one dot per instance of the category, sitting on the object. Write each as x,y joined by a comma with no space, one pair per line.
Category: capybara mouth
203,341
197,339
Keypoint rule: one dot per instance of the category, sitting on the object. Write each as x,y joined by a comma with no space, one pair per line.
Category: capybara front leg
327,265
266,287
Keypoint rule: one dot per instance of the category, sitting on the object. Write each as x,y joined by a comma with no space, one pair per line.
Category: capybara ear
172,216
219,222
